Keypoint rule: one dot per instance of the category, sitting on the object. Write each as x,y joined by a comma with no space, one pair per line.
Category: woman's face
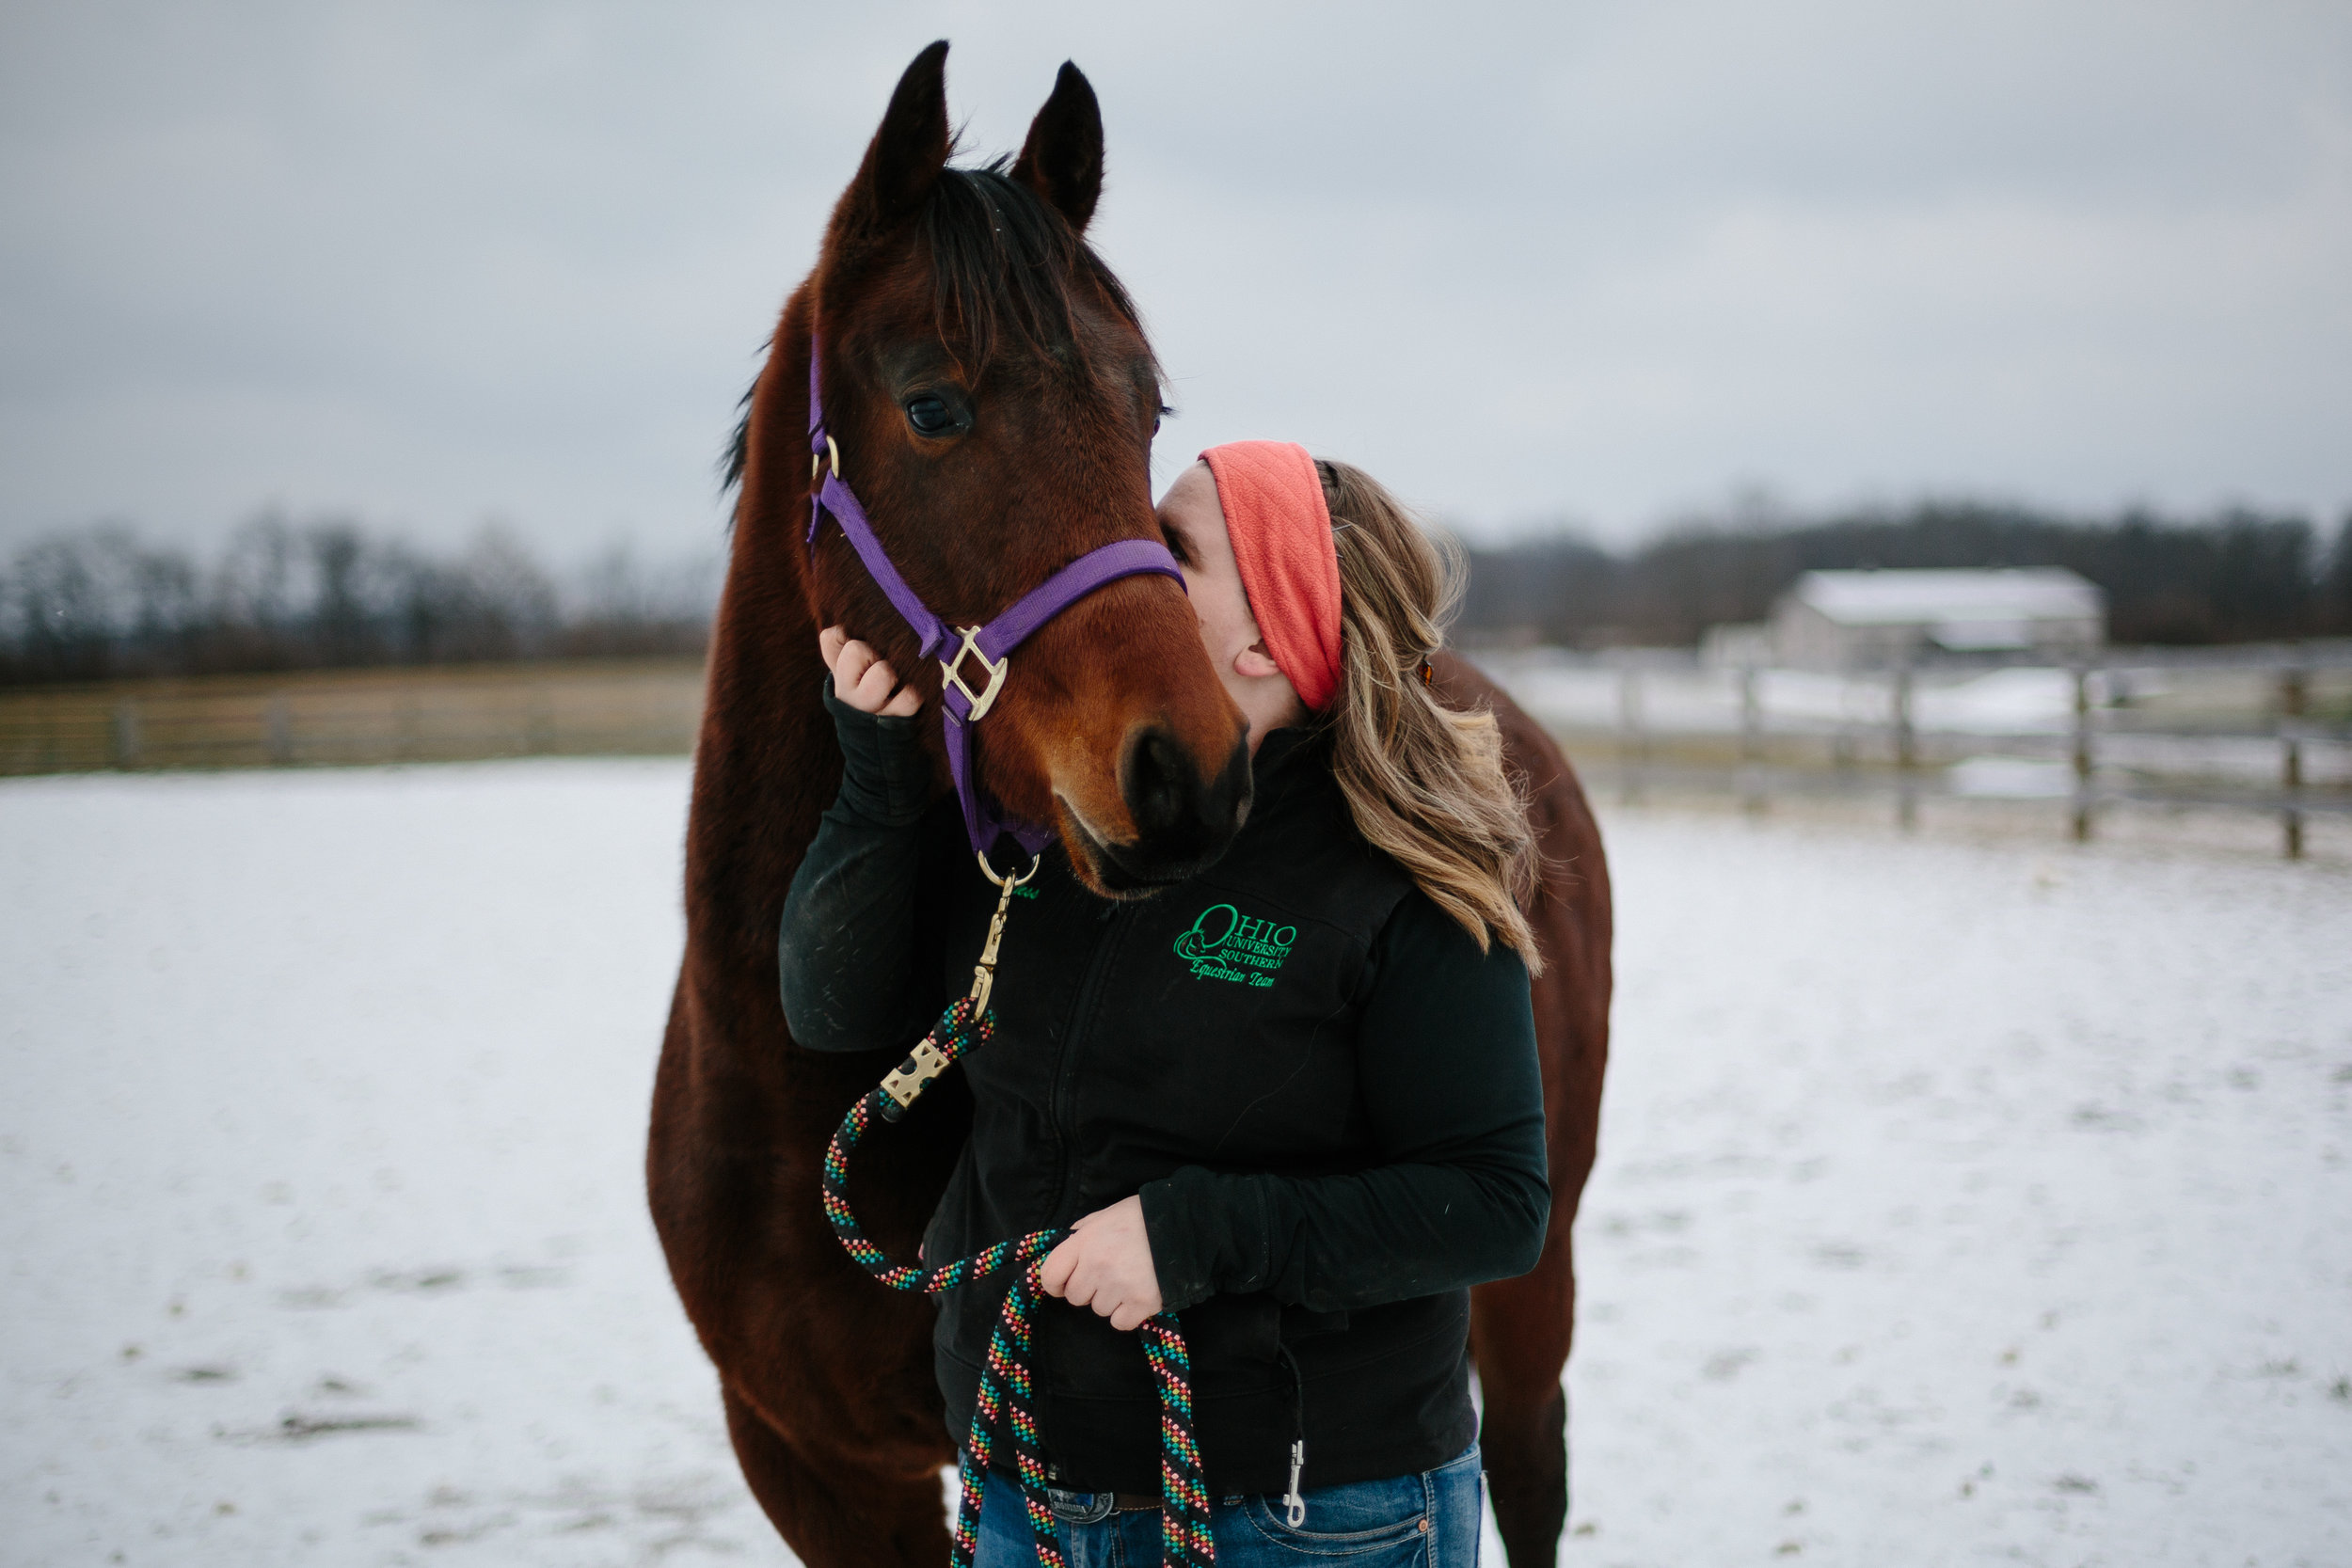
1193,523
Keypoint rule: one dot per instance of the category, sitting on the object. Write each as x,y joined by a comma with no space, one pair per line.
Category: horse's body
1112,726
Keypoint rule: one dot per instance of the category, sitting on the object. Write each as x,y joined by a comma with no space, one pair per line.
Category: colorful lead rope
1006,1387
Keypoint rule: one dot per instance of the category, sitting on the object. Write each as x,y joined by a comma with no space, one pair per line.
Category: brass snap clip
925,1062
984,973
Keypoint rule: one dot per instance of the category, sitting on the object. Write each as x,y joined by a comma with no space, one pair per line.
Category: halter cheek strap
963,704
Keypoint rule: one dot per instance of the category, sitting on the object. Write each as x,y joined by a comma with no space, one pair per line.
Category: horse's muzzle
1183,820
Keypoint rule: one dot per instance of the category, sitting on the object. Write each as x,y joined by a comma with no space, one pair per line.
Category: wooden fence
438,714
2260,730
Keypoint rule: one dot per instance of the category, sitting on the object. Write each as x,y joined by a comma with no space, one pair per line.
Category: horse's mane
1003,260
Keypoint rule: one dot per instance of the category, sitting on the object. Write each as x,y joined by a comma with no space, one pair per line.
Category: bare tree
94,603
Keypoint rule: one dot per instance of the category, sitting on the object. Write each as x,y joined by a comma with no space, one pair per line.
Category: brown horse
995,400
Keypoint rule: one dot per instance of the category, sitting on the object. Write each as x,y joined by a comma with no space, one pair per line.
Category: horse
995,401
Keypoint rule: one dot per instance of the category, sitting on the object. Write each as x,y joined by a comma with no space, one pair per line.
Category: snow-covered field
1958,1201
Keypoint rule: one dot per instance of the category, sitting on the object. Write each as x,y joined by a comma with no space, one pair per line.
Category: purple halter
961,708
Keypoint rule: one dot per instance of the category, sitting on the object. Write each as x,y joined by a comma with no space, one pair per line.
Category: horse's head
994,399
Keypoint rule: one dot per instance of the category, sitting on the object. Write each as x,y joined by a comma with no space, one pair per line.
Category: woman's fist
1105,1263
861,677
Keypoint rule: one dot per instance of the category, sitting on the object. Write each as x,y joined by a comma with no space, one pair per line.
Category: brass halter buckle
979,702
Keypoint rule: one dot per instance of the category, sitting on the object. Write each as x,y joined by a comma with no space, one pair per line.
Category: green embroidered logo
1225,944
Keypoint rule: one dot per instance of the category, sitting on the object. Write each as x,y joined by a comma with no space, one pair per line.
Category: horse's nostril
1178,814
1160,783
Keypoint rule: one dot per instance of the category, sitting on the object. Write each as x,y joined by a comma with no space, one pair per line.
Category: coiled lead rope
1006,1382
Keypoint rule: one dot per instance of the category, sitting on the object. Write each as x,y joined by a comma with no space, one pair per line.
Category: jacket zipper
1059,1111
1058,1114
1293,1500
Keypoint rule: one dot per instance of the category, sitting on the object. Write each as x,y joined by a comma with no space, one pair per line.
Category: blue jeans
1430,1520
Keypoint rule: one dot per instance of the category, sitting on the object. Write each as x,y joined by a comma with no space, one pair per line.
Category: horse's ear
1062,160
908,151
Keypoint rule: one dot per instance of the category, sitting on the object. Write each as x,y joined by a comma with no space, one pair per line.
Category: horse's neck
765,767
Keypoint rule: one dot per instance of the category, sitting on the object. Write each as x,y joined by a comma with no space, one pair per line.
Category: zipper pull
1294,1506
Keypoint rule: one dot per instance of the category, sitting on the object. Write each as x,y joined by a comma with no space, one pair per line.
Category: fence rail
2265,730
2252,730
586,707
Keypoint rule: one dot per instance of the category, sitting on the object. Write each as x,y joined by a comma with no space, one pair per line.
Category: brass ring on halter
1008,883
817,463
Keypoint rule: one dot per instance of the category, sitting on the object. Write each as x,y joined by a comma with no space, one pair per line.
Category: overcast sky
1603,263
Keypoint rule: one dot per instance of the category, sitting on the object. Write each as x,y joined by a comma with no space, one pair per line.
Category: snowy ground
1958,1201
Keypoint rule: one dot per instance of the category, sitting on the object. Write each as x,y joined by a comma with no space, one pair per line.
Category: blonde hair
1425,783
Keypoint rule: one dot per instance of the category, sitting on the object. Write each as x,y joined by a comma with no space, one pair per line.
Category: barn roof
1886,598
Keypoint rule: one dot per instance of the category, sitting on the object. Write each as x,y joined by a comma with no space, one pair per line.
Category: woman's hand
1105,1263
861,677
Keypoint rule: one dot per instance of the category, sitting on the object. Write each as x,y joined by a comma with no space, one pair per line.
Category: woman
1295,1099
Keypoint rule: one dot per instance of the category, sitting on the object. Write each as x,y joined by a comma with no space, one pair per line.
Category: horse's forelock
1004,261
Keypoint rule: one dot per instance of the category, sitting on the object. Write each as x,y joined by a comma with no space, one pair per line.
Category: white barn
1843,620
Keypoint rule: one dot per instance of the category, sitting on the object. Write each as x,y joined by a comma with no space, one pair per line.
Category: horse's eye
929,415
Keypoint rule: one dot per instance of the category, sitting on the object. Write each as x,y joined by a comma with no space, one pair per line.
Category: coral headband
1281,532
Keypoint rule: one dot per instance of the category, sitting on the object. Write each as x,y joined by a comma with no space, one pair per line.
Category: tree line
2235,577
100,603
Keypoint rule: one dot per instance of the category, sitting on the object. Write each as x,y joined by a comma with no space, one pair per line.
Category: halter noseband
961,708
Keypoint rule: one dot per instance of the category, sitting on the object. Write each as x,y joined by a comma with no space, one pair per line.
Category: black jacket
1326,1096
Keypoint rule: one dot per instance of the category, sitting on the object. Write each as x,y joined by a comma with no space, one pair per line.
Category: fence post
2082,753
1907,753
2293,688
539,720
408,727
126,733
278,721
1750,741
1629,741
